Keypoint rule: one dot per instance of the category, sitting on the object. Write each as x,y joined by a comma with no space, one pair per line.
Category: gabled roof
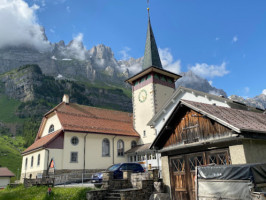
179,90
237,120
87,119
5,172
42,142
81,118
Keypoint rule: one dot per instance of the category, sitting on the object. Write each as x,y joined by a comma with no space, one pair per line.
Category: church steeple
151,55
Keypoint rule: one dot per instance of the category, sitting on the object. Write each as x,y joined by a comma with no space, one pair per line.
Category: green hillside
10,148
8,109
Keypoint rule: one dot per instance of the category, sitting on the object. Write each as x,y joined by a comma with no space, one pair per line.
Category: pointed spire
151,55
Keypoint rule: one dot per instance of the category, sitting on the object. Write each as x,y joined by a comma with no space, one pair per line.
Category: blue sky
223,41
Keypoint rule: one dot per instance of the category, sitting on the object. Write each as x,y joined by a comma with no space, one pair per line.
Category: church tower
150,88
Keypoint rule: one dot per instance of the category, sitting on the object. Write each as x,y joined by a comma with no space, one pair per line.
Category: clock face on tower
142,95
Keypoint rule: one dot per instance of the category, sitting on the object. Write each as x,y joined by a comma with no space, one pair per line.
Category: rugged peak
101,52
61,43
191,80
76,43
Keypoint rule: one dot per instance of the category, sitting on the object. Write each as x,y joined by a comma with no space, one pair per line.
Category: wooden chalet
198,134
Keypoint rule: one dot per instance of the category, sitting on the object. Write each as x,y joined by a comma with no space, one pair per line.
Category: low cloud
168,61
76,49
264,91
209,71
19,25
124,53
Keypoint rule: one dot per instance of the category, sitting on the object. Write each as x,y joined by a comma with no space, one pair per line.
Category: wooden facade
185,128
192,127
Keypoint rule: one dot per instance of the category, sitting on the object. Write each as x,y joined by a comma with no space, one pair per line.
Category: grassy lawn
40,193
8,108
10,156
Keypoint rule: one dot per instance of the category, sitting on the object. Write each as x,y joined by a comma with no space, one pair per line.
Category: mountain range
32,81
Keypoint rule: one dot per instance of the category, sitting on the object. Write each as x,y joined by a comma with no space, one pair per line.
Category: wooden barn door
194,160
182,171
178,177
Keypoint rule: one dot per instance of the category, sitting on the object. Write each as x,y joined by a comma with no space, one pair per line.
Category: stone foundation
138,186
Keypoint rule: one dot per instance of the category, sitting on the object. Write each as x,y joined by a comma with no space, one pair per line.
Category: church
81,138
76,137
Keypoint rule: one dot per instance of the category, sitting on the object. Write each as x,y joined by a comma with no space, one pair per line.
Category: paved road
91,185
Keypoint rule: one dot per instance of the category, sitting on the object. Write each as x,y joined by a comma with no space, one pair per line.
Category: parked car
117,170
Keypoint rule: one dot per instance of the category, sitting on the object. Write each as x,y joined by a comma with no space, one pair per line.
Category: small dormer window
51,129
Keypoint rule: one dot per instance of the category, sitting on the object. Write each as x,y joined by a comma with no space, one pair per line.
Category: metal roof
151,55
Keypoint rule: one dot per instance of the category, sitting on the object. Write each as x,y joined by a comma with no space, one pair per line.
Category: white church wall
69,148
93,154
143,112
52,120
35,168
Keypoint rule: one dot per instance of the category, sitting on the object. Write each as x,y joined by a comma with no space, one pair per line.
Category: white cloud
124,53
68,9
135,68
76,49
19,25
210,82
264,91
235,39
209,71
168,61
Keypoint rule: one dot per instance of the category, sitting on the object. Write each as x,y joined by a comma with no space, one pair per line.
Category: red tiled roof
74,117
43,141
5,172
234,118
79,118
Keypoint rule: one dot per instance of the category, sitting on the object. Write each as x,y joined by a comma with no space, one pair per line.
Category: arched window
39,159
51,129
133,144
26,163
120,148
31,161
106,147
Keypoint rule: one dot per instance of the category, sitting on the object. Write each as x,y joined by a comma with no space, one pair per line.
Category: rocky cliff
29,85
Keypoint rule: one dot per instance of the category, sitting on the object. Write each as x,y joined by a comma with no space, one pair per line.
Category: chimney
66,99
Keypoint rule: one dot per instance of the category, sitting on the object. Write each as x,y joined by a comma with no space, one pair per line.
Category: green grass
10,153
8,109
40,193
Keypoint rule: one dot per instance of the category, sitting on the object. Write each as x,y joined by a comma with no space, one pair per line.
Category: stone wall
132,186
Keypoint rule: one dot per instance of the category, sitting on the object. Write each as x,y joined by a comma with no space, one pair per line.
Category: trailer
231,182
